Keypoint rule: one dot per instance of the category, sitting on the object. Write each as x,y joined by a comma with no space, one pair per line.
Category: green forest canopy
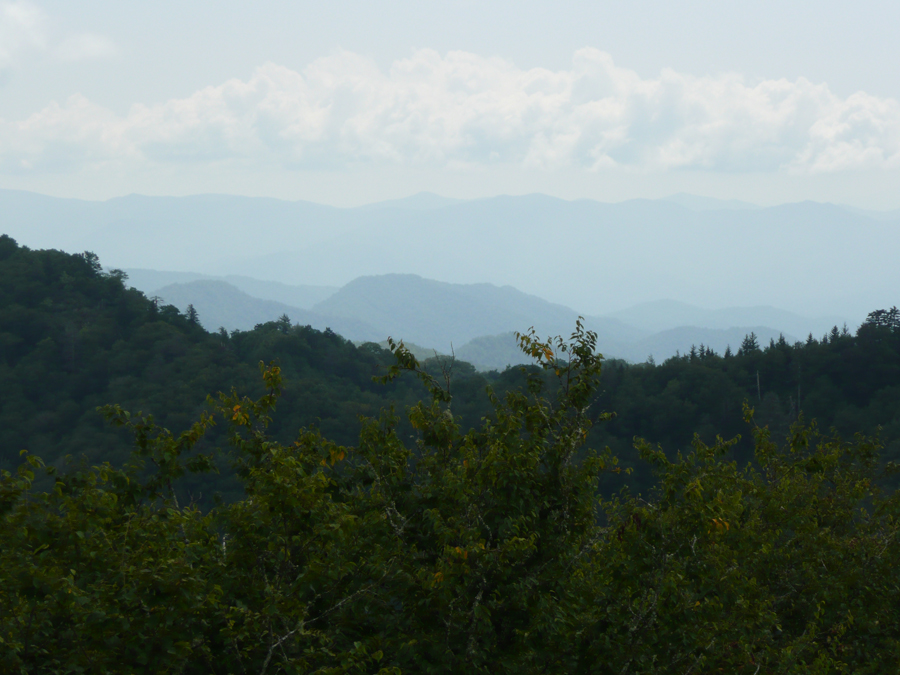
485,551
465,535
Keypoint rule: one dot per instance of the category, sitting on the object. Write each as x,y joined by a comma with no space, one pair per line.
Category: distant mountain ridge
663,315
807,257
697,203
440,314
495,352
302,296
219,304
421,201
477,322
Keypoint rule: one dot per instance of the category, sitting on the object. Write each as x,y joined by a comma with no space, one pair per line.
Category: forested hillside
446,552
847,381
478,526
74,338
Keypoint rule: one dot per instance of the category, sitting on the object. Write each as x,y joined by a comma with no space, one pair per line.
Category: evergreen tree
749,344
192,316
284,323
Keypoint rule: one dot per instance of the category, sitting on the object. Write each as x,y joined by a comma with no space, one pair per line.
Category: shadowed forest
73,338
355,510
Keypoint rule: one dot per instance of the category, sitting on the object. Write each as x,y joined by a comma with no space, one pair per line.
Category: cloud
21,28
24,30
464,110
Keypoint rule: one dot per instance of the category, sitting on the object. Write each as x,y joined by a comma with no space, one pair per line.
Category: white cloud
24,29
463,110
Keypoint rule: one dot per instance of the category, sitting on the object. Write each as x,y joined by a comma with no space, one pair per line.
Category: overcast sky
350,102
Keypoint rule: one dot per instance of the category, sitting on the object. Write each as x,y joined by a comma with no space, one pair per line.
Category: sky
347,103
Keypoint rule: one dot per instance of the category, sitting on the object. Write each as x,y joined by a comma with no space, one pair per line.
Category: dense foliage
464,535
485,551
849,382
73,338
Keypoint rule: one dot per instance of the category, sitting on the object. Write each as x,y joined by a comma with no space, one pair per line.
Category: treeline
73,338
846,381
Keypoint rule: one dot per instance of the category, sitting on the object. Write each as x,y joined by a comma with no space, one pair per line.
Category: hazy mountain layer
304,296
423,201
478,321
664,315
809,257
495,352
220,304
697,203
437,314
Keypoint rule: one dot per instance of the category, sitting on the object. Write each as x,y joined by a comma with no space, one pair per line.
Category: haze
347,103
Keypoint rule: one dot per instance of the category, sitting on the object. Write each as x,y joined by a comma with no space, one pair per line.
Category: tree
749,344
192,316
92,260
284,323
8,246
884,318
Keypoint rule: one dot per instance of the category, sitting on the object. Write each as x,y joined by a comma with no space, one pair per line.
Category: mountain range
809,258
475,321
639,271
